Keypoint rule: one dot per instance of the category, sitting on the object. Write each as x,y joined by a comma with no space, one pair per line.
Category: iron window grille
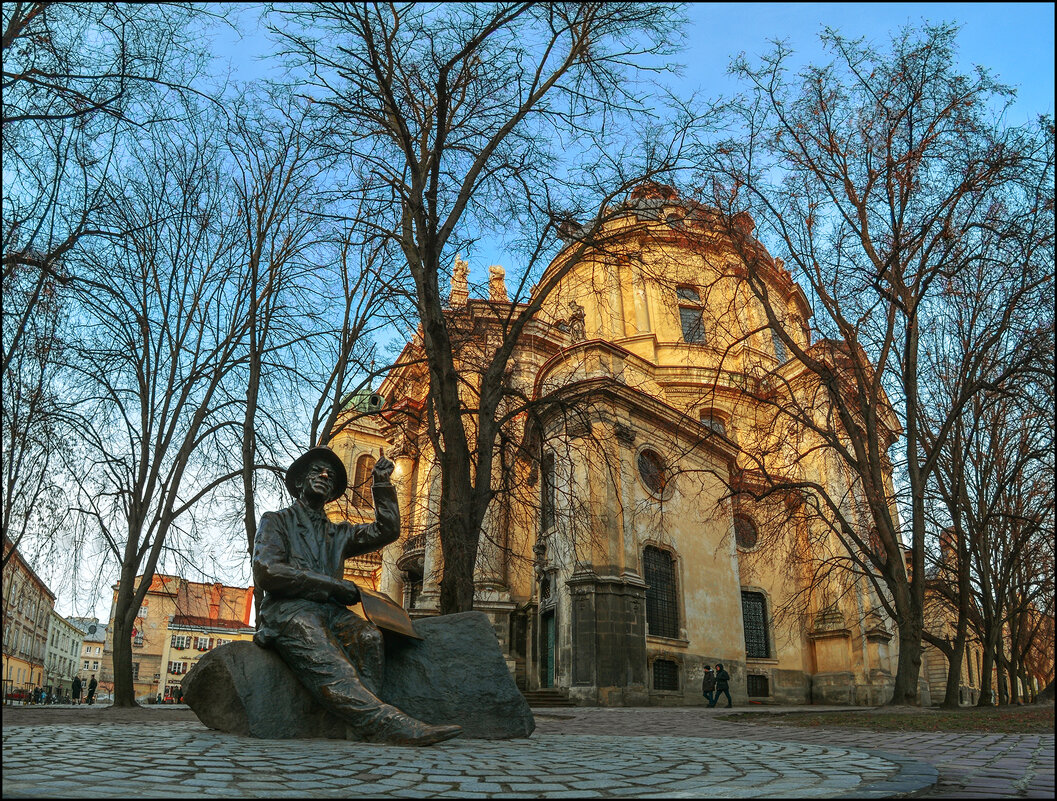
662,611
665,675
754,614
757,686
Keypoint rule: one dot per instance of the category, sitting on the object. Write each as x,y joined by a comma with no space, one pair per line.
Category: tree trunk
952,693
909,664
986,689
910,626
124,618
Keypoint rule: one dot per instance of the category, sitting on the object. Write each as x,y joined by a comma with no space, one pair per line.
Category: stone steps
547,698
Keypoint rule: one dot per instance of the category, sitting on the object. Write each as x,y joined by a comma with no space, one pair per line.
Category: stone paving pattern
575,753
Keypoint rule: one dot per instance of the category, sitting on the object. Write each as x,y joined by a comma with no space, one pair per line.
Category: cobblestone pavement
970,765
575,753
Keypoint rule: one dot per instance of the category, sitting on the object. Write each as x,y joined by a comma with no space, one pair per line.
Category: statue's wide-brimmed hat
300,466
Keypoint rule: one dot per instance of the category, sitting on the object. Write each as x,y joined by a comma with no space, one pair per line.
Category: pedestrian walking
77,689
92,684
722,686
708,684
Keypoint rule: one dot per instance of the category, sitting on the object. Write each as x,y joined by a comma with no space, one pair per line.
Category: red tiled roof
206,622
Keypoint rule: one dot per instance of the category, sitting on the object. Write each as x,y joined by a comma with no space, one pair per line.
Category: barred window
757,686
362,481
662,611
754,614
665,675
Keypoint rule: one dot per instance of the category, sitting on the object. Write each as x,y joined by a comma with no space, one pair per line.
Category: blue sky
1015,40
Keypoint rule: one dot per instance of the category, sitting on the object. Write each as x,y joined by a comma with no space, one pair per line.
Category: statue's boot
403,729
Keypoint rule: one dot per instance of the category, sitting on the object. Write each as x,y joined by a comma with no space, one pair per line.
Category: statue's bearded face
318,480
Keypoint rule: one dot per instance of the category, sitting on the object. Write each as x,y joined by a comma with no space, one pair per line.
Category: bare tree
878,178
993,333
315,295
465,121
75,80
163,316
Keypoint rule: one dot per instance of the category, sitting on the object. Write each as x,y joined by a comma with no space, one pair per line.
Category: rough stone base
456,674
833,688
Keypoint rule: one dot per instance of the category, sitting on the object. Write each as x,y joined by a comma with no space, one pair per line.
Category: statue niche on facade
298,560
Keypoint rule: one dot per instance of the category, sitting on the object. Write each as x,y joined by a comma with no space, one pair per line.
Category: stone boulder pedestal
456,674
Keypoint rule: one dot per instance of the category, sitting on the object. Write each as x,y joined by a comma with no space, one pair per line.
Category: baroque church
621,553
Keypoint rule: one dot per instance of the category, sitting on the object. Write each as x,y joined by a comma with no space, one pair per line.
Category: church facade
623,551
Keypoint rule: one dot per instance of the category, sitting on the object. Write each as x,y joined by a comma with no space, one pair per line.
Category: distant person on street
92,684
722,686
708,684
77,689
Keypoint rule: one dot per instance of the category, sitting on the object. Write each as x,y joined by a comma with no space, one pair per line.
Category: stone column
390,581
624,436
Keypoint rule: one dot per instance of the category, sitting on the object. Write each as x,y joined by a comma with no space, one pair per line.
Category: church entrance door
547,649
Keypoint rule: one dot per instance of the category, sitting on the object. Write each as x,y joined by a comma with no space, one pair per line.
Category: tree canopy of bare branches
460,121
885,179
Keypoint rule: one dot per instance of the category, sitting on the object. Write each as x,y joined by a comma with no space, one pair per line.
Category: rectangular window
665,675
693,324
779,347
662,612
202,643
85,665
135,671
754,616
95,666
138,639
691,316
757,686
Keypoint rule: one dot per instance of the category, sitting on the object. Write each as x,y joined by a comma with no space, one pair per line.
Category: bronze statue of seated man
298,560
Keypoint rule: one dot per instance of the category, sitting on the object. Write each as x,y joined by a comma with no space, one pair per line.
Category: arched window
754,617
714,421
362,481
746,534
662,600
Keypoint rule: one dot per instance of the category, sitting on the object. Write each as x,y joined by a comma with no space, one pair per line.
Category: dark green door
547,650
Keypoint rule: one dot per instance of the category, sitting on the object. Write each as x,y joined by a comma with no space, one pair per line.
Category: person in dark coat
708,684
92,684
722,686
77,689
299,560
